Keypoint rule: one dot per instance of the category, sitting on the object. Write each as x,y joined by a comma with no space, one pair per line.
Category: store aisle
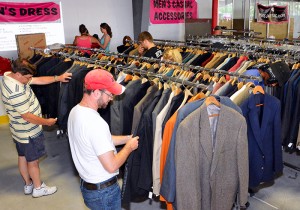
57,169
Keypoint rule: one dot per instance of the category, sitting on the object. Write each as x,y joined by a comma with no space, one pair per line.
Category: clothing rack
136,70
248,40
241,46
128,69
197,68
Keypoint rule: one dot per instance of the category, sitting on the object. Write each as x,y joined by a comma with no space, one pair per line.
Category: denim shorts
33,150
108,198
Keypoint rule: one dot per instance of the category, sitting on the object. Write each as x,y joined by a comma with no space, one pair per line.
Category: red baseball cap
99,79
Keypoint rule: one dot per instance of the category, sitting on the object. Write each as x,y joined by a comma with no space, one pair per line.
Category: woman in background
107,35
126,44
85,40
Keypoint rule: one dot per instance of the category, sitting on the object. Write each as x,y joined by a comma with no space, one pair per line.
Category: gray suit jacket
207,180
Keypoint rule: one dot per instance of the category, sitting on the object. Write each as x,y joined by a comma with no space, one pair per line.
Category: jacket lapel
221,135
254,121
205,133
266,115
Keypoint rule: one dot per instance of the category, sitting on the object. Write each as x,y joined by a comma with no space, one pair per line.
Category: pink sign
172,11
272,14
29,12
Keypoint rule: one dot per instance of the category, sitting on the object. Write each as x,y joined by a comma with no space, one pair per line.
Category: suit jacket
168,188
264,138
210,177
142,104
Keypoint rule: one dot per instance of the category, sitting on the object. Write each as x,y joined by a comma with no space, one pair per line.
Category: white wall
117,13
204,9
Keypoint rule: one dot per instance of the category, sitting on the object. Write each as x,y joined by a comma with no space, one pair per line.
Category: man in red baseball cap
92,145
103,81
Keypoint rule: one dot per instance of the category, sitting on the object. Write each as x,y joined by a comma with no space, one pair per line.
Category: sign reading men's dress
18,12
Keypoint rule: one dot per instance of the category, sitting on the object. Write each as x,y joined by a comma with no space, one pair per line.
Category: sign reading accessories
29,12
172,11
272,14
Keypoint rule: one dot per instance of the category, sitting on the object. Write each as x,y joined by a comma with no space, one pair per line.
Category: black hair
125,39
83,29
96,36
107,28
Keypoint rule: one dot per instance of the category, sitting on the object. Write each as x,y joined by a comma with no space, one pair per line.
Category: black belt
99,186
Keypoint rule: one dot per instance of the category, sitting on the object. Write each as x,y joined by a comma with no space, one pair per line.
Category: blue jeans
108,198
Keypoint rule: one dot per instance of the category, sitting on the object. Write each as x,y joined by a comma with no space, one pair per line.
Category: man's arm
29,117
120,140
112,162
65,77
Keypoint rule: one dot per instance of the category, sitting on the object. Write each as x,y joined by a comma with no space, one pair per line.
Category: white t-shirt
89,137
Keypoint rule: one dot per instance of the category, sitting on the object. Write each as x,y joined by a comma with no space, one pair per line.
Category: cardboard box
25,41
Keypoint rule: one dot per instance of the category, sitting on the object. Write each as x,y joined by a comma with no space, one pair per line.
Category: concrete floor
57,169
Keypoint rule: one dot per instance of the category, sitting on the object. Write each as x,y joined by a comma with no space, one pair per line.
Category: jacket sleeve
243,163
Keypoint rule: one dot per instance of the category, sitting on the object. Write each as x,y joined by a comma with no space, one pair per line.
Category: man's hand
141,50
65,77
51,121
133,143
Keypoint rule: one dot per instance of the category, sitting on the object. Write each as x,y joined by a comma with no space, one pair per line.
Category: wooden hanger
234,81
128,77
135,77
212,100
206,76
144,80
166,86
222,80
258,89
240,85
160,85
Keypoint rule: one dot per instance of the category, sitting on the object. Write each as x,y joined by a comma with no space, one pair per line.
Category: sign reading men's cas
29,12
272,14
172,11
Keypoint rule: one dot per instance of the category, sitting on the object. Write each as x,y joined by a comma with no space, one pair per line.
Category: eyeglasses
109,95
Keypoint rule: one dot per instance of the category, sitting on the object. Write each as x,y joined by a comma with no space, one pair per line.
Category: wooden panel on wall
259,27
279,31
291,28
227,23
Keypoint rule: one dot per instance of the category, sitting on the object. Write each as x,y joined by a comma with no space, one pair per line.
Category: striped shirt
19,99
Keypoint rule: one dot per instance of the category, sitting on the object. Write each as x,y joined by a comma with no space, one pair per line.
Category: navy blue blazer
264,138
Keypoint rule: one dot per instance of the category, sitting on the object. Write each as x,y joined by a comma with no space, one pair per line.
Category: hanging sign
16,12
272,14
172,11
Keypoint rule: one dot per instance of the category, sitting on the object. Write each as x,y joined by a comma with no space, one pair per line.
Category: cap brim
116,89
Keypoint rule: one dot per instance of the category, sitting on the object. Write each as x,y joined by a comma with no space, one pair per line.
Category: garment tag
150,195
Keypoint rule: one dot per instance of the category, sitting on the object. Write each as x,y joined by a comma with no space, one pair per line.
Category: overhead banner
172,11
272,14
29,12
